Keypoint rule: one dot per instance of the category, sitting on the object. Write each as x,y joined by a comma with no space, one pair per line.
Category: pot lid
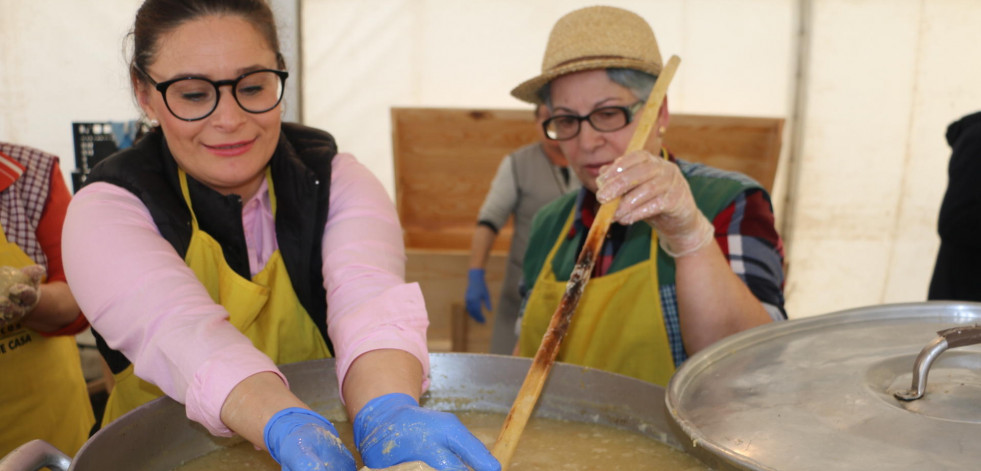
820,393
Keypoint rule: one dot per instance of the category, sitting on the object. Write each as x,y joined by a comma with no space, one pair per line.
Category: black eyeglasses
606,119
195,98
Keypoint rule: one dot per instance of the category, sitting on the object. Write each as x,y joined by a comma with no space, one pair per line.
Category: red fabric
49,236
10,171
757,221
614,235
52,219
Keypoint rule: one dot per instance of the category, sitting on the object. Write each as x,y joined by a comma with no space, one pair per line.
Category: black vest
301,171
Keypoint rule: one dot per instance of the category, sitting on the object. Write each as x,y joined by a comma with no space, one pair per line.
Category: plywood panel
444,162
442,276
744,144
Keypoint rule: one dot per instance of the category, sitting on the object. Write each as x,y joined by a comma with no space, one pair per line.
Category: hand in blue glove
301,439
393,429
476,294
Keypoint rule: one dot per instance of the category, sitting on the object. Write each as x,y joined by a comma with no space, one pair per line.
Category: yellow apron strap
618,325
265,309
542,296
186,193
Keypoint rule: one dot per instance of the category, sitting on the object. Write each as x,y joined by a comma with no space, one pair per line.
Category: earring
147,122
660,131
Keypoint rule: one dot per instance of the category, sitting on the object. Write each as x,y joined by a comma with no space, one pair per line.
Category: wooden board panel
444,162
743,144
442,276
445,159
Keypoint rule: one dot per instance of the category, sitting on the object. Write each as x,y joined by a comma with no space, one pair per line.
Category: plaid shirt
586,208
25,178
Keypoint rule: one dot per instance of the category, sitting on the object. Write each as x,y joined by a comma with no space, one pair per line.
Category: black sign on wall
96,141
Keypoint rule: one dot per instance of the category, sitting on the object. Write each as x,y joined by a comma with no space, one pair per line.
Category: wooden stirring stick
521,410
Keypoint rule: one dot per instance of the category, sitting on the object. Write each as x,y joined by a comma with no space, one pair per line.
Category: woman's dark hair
158,17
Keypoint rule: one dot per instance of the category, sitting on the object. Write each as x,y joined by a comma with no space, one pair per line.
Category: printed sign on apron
44,393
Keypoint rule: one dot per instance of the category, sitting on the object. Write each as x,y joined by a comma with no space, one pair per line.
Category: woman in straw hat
692,255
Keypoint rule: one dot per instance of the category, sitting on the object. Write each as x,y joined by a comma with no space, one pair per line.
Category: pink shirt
145,301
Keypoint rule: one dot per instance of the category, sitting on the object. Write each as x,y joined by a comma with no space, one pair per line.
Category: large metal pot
158,436
821,393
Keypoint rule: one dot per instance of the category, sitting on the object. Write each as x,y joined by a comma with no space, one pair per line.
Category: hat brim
528,90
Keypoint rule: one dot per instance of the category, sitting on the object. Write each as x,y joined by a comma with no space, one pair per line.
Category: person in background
693,254
957,272
526,180
225,242
44,395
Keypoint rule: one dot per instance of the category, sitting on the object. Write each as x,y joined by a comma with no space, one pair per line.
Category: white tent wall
883,79
472,53
62,61
867,86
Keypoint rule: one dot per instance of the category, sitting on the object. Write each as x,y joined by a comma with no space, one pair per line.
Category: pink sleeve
143,299
369,304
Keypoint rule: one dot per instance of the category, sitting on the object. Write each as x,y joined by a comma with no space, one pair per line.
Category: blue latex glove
300,439
476,294
393,429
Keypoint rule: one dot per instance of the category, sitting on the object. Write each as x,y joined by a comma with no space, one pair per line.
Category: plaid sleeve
746,232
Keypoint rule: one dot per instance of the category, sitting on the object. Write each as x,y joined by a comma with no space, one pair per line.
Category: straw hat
594,38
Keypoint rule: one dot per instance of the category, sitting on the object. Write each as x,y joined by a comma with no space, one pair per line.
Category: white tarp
857,198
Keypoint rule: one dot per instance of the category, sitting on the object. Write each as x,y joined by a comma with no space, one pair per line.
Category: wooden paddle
527,397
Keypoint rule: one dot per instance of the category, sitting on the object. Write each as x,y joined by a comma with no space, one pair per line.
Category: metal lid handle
947,338
35,455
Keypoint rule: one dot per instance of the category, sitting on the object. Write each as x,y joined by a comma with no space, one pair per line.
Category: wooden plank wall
445,159
444,162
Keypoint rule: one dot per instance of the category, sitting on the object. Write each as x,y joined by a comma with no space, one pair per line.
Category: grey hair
639,83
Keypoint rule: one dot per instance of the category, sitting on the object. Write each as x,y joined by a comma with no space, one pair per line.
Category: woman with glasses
226,242
692,256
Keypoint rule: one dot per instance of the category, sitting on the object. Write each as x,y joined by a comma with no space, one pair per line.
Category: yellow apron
44,393
618,325
265,309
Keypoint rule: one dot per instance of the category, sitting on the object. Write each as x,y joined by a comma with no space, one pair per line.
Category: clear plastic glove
393,429
477,294
20,291
300,439
654,190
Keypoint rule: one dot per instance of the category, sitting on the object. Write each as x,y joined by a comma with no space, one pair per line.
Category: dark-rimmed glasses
606,119
195,98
